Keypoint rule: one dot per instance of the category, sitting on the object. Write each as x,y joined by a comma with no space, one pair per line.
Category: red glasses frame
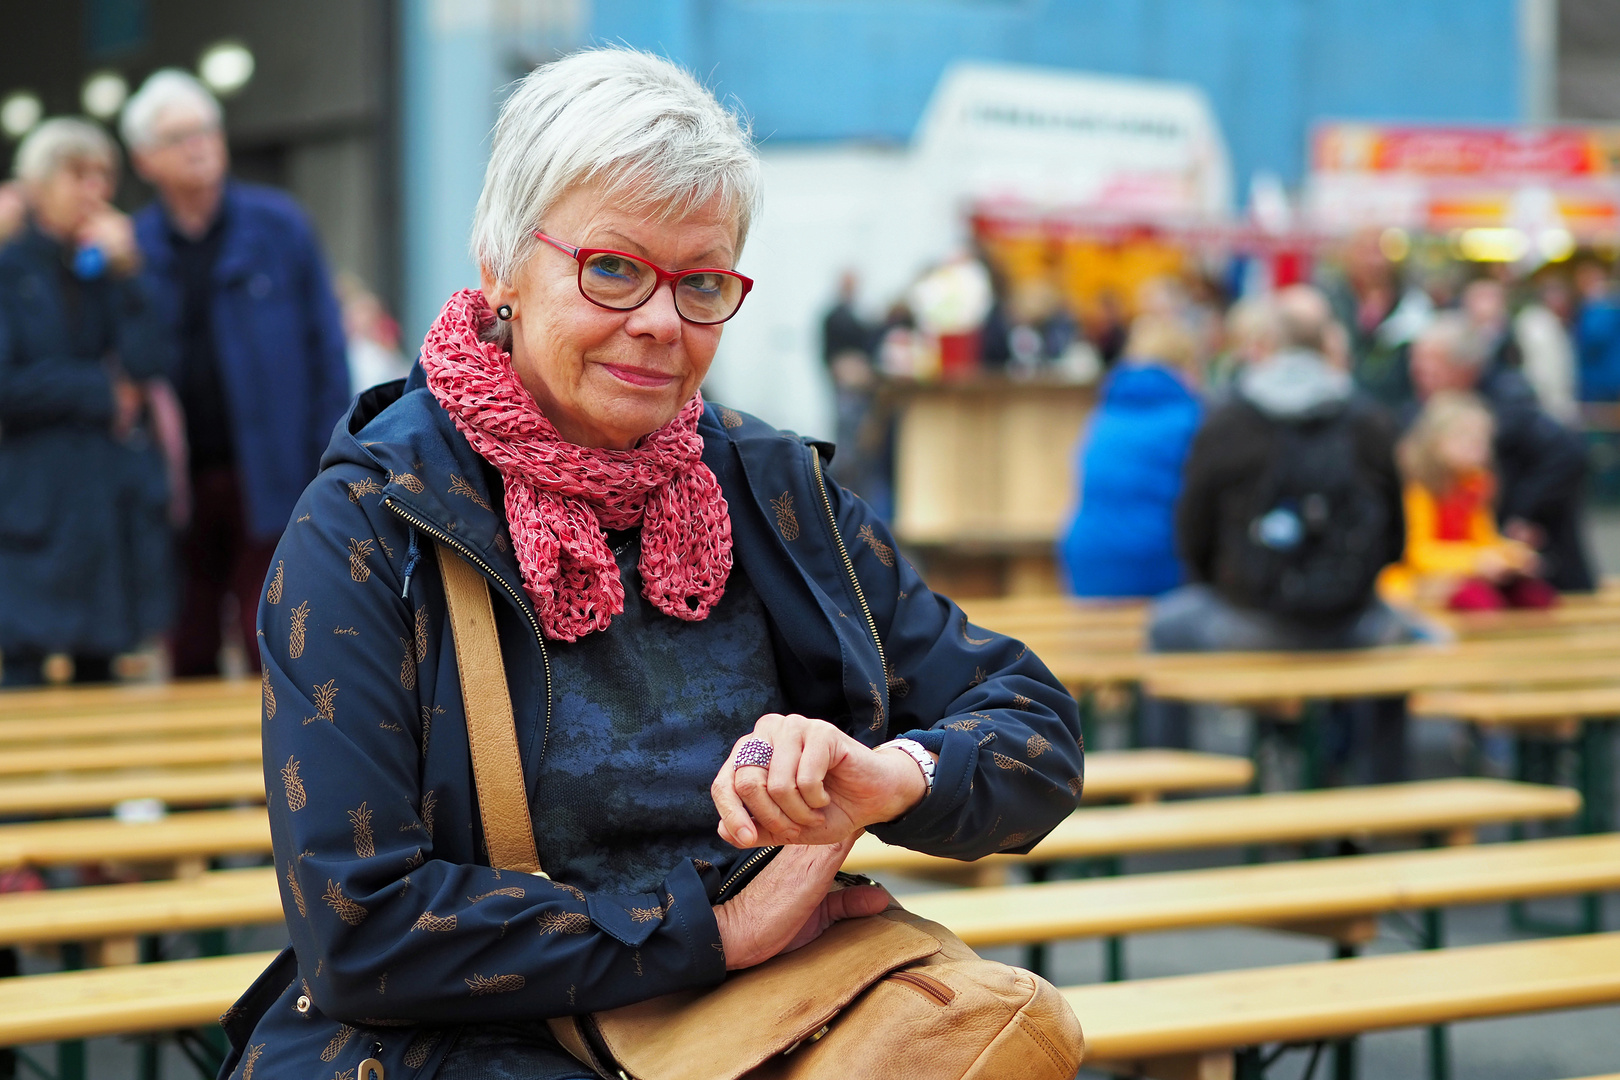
580,255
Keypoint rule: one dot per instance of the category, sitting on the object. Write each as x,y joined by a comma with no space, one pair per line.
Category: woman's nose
657,318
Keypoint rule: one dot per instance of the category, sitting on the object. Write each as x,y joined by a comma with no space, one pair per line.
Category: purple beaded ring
754,752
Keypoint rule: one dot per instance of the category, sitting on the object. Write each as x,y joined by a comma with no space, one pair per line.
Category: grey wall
1589,59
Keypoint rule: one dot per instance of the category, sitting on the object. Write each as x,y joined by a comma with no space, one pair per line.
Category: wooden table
1143,776
1452,808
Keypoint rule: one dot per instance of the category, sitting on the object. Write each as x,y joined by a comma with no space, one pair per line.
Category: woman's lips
639,376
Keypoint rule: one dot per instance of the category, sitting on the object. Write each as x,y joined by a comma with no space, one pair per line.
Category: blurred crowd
168,382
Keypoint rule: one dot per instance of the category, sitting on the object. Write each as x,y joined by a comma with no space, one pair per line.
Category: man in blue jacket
238,276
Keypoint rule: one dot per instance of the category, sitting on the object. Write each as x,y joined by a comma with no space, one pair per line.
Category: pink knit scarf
560,496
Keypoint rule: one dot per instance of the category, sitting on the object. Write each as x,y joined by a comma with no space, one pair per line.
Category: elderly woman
83,534
714,655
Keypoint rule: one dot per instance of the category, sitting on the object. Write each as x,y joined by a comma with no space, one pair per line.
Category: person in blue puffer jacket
1121,541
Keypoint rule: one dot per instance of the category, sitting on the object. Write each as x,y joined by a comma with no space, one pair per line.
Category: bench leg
70,1063
149,1063
1434,937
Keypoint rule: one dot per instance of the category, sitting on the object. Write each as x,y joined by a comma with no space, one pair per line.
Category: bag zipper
849,567
925,985
489,572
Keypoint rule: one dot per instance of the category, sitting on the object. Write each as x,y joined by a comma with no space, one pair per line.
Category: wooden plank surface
146,753
1309,1002
1509,706
1122,1021
1321,889
1370,674
188,835
92,792
222,898
1429,806
1313,889
1147,774
124,1000
215,719
129,697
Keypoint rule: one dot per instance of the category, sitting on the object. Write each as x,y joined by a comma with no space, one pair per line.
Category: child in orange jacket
1454,555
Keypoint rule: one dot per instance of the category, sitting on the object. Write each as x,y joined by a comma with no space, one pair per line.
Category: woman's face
68,198
1465,446
606,378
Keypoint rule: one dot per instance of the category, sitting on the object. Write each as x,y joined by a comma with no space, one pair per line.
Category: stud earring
504,312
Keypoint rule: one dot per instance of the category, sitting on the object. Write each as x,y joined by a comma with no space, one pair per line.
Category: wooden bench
1339,898
130,697
1197,1026
43,797
1168,1028
103,756
215,720
1137,775
184,842
1451,808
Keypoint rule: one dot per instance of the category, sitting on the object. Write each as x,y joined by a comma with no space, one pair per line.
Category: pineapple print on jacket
296,798
365,846
295,636
347,909
786,520
268,693
273,594
495,984
359,570
325,699
296,889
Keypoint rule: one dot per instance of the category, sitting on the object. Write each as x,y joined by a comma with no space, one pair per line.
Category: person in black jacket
84,495
1540,464
1290,505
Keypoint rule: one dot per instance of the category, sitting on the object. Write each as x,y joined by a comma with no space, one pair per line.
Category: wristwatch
919,754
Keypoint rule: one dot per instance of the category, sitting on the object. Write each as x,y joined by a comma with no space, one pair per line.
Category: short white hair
636,123
1452,332
162,90
56,142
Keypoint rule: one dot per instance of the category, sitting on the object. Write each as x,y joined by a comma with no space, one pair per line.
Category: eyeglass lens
618,281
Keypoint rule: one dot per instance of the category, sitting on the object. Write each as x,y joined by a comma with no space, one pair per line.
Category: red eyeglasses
619,281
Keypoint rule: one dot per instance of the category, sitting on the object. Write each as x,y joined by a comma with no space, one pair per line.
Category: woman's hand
788,906
821,787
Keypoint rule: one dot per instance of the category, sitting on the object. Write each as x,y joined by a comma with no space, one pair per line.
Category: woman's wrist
910,786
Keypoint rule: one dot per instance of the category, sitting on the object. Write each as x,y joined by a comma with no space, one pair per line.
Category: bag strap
503,797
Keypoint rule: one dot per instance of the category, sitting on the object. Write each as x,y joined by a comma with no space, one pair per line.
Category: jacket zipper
489,572
871,625
849,567
925,985
720,897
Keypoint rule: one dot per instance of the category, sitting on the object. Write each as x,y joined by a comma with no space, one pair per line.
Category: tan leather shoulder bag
891,995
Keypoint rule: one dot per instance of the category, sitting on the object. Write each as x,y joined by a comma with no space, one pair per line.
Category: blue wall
814,70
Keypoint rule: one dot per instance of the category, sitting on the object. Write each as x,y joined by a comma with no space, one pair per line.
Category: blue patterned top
646,711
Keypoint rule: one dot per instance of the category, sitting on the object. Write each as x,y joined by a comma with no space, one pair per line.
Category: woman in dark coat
713,652
83,493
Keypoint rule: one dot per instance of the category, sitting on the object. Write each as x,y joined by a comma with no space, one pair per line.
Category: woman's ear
496,292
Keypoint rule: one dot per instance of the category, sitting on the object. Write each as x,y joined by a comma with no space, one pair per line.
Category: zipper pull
371,1069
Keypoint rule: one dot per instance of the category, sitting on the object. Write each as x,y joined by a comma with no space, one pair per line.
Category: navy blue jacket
400,930
278,336
84,533
1122,540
